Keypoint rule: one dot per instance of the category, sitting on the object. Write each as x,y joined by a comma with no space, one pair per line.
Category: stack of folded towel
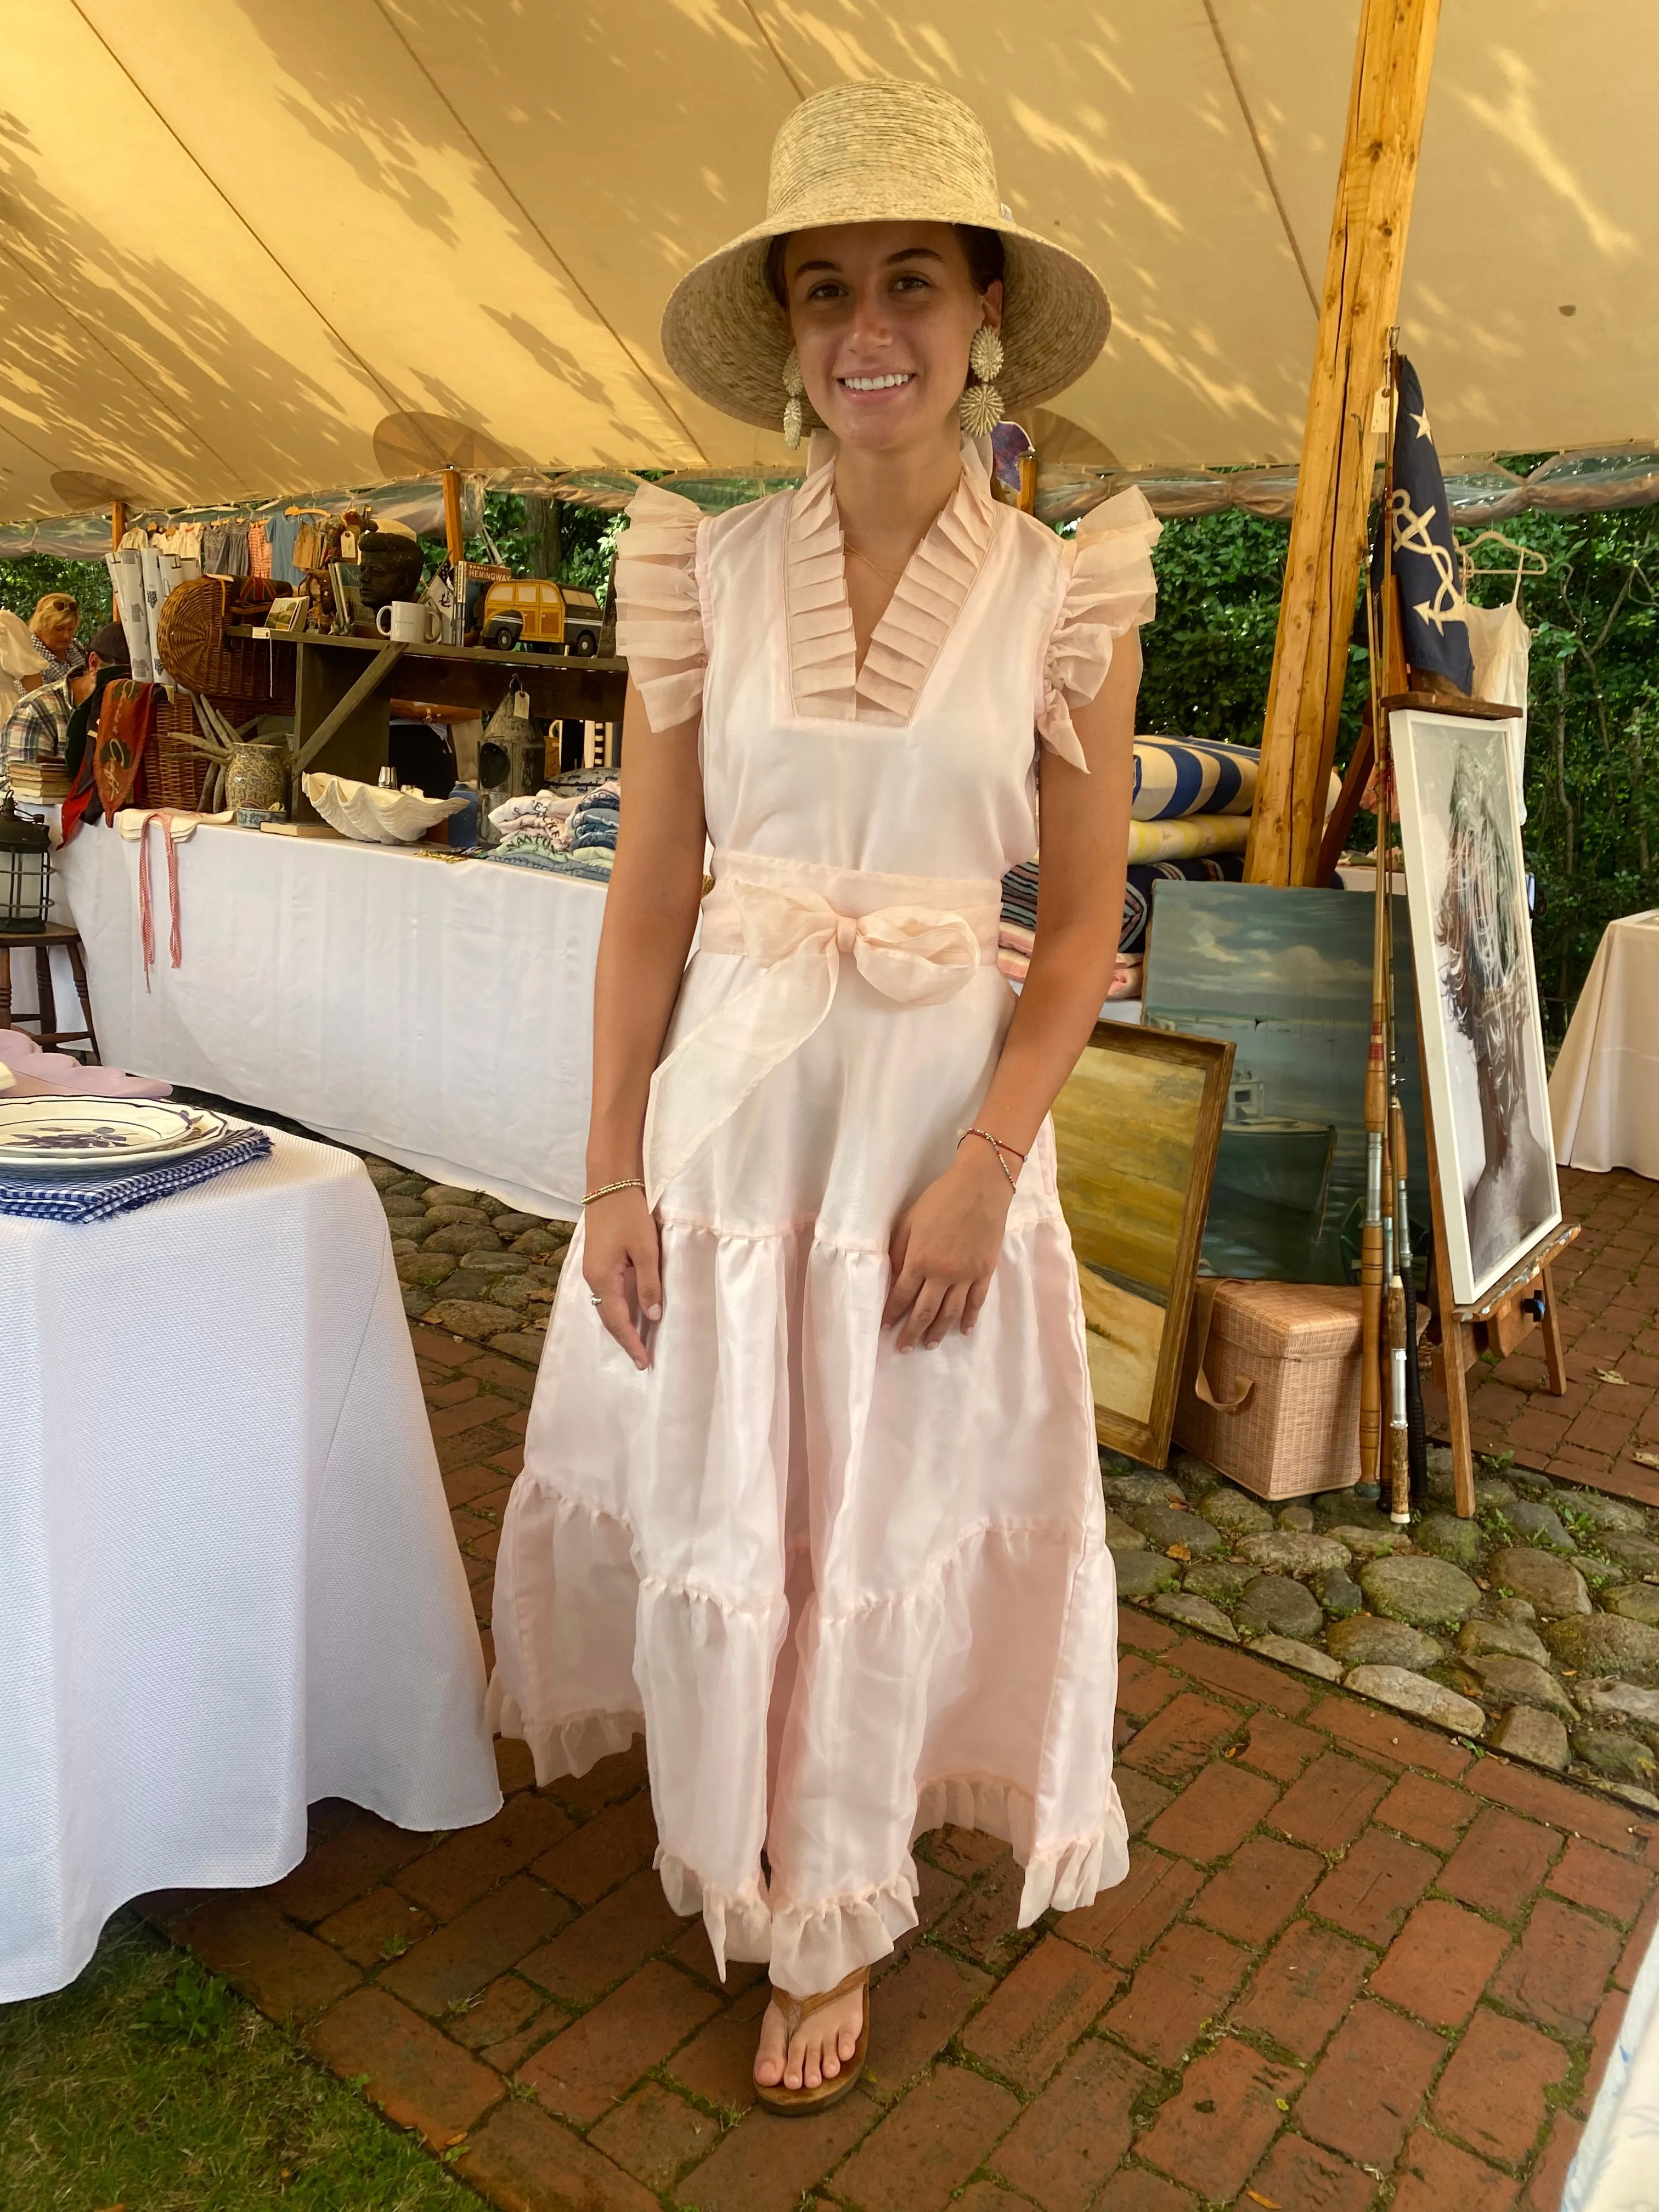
567,832
1190,816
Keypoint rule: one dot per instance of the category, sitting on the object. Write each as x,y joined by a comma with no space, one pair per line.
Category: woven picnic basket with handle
1270,1388
195,651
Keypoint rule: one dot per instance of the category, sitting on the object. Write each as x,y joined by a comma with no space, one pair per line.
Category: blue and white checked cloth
99,1201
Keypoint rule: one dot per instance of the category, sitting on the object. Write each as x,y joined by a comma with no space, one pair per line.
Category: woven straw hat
881,152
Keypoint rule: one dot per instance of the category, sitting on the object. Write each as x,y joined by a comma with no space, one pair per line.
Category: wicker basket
1270,1388
170,774
239,671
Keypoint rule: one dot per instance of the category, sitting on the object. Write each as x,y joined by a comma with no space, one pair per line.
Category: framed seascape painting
1136,1129
1483,1042
1286,975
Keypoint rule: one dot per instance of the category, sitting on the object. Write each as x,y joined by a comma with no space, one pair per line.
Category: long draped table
1604,1092
228,1584
439,1013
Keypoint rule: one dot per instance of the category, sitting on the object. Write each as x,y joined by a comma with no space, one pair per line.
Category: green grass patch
149,2084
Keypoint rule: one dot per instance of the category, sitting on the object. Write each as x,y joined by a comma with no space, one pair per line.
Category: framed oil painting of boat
1483,1042
1135,1131
1286,975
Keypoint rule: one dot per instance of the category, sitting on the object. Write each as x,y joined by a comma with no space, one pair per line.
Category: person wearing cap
40,725
812,1493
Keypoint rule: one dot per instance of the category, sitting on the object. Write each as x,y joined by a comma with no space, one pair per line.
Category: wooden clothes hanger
1525,555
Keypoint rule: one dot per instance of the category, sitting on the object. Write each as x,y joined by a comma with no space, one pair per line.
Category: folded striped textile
37,1200
1188,838
1175,777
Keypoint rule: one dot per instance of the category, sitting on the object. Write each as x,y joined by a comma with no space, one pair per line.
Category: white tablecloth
1604,1094
228,1585
438,1012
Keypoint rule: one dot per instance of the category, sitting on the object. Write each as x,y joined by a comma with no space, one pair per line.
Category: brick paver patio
1354,1962
1608,1287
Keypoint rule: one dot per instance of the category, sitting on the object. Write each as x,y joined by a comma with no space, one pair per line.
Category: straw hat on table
881,152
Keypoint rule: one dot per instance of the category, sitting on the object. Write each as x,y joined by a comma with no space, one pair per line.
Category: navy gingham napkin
41,1200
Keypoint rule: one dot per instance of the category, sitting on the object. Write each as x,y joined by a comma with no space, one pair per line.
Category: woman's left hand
945,1249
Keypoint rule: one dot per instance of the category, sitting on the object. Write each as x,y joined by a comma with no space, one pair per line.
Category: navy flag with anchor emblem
1434,632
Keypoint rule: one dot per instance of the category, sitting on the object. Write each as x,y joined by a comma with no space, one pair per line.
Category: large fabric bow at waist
916,955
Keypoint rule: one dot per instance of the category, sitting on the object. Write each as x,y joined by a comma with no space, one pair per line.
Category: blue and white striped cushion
1178,776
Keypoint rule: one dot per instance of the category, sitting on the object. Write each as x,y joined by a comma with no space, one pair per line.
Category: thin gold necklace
892,575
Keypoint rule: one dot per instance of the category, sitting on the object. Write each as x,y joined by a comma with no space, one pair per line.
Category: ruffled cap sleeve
660,624
1111,589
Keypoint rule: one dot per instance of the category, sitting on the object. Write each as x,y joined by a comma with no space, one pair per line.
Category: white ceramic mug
410,621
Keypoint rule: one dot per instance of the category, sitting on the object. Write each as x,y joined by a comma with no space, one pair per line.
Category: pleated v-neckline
826,681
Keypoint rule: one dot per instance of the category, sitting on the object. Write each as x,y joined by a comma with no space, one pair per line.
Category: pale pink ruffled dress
847,1594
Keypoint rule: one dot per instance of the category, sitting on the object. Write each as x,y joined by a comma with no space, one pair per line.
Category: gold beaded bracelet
998,1148
628,1182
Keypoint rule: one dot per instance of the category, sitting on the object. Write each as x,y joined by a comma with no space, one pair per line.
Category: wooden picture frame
1137,1129
1483,1039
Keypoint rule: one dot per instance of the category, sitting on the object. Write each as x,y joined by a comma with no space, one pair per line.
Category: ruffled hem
826,682
660,629
1111,590
813,1946
568,1747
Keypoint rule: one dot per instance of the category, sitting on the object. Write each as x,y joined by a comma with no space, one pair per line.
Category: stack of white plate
71,1139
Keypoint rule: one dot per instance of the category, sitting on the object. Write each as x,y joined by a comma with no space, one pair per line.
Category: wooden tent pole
1390,90
117,524
453,531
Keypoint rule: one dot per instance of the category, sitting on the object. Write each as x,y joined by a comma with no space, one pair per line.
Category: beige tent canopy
250,248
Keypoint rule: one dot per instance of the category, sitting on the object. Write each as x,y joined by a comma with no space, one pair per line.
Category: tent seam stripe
773,48
388,392
124,368
553,255
1233,79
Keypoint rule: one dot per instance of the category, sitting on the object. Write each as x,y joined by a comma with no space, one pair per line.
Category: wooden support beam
310,745
454,536
1390,90
117,524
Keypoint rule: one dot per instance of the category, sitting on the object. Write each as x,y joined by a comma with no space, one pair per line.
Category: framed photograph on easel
1483,1040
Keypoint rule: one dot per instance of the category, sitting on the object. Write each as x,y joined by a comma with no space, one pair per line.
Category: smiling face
882,314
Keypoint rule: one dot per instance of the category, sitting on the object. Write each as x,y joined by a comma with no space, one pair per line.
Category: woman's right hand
622,1268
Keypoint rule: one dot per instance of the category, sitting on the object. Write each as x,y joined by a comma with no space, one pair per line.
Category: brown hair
983,248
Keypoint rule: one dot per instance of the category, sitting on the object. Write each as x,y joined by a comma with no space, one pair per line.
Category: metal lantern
25,870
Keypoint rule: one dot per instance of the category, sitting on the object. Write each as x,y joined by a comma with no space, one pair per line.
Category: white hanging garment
1501,645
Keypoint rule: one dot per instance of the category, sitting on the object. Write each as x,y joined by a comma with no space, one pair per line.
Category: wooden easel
1506,1316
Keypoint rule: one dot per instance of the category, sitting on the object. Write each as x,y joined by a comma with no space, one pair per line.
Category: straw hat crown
880,152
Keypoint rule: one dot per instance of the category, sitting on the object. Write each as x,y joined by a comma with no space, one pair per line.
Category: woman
52,626
811,1488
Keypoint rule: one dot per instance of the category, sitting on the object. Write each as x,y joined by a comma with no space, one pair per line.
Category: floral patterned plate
98,1136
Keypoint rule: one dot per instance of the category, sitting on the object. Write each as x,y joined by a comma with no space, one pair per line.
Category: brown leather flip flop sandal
798,2103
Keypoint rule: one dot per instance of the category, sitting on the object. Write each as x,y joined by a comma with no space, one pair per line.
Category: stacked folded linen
566,833
1189,816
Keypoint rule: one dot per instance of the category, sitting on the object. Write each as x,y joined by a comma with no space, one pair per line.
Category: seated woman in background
52,625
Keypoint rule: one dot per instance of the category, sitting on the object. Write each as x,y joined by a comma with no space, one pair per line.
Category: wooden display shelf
343,688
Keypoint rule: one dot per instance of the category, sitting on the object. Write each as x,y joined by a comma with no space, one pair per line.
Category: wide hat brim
880,152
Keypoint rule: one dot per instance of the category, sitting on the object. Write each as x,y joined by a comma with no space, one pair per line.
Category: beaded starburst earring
793,421
980,407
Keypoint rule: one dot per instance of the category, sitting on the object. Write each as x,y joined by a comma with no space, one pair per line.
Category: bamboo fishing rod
1394,1347
1371,1237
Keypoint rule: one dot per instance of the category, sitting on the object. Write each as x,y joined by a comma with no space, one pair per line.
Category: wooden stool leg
48,1001
1555,1358
78,970
1453,1344
5,987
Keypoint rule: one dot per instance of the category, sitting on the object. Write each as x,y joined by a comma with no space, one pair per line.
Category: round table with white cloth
228,1585
1605,1082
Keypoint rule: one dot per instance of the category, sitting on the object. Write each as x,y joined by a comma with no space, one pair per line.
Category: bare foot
822,2043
